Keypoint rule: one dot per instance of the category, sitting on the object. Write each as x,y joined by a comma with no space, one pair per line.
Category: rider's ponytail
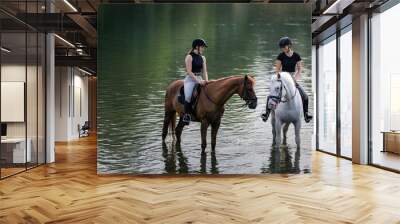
191,50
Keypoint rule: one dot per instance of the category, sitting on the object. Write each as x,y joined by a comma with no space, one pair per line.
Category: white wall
62,82
13,101
81,104
71,102
13,72
17,73
9,73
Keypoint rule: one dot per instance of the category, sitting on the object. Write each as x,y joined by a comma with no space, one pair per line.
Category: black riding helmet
199,43
285,41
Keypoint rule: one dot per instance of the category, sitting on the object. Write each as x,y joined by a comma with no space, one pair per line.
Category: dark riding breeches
304,97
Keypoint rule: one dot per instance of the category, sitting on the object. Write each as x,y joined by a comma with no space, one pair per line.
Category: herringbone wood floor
69,191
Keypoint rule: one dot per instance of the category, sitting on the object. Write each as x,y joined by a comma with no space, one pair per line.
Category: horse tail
169,123
169,116
170,110
166,117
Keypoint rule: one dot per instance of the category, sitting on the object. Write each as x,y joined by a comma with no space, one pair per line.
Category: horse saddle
193,101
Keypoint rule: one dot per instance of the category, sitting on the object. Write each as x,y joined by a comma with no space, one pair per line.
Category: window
22,88
346,92
327,95
385,89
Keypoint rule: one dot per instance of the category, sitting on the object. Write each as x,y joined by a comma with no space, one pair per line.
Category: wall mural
145,48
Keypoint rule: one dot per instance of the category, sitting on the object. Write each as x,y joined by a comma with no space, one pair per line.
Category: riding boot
304,97
187,117
265,115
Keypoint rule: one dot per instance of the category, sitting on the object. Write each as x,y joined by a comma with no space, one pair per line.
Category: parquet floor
70,191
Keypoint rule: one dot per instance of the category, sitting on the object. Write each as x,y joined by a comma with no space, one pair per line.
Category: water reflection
281,160
176,162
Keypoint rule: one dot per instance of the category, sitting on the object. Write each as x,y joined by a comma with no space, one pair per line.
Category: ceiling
76,22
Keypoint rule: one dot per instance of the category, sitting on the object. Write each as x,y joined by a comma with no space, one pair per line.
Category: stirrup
186,119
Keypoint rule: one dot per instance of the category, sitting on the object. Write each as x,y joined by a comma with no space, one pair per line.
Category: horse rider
196,72
290,61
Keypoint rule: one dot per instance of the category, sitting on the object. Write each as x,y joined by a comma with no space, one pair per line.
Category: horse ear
246,77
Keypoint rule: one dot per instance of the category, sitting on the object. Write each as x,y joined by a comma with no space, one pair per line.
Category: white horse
286,105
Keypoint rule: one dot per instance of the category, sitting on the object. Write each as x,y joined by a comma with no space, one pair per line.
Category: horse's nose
253,105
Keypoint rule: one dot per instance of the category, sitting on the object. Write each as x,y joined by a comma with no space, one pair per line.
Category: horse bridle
278,99
245,96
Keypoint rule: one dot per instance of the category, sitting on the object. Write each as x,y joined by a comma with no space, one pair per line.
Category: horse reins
279,98
208,97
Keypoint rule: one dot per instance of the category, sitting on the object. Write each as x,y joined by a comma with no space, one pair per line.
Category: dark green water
142,49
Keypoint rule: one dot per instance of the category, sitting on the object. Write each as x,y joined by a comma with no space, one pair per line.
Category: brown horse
210,105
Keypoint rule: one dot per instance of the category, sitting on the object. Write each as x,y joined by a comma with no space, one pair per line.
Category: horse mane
285,76
231,77
225,78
